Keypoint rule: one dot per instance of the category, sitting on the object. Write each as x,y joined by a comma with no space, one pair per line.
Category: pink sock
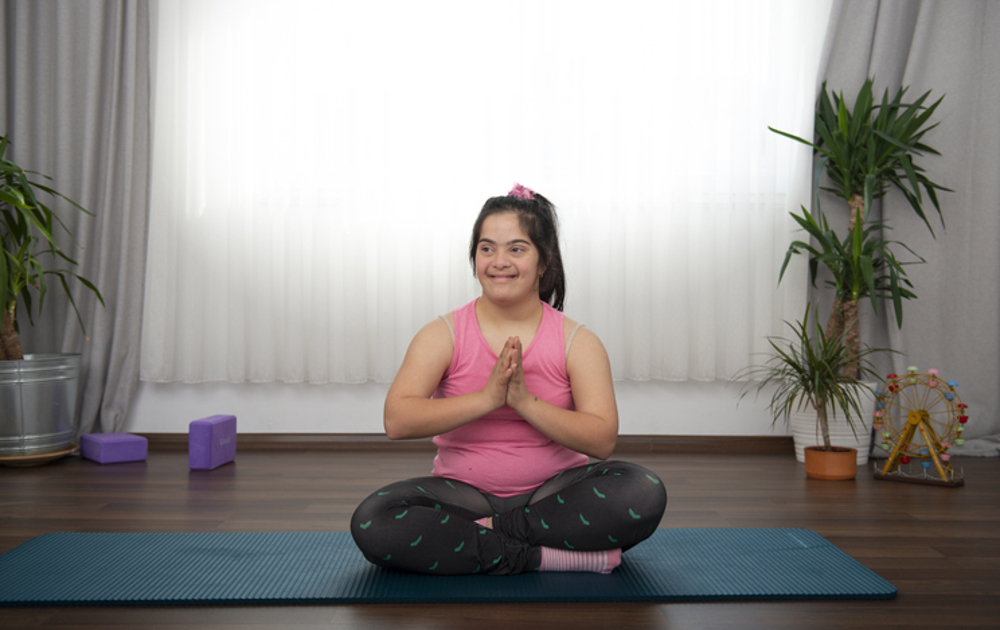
589,561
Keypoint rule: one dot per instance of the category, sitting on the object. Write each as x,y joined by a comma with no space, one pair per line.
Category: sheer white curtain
318,166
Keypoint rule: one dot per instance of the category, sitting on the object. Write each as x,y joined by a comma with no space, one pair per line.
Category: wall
645,408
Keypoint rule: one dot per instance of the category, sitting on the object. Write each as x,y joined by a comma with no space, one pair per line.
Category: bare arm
410,412
592,428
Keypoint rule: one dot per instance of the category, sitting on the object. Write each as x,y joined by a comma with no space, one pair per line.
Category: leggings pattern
427,524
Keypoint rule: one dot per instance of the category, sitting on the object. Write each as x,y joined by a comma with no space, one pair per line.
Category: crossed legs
427,525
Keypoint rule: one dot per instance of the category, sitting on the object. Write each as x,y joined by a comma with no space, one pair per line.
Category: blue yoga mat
325,567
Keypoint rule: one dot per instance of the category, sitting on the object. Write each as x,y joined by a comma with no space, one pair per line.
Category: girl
517,397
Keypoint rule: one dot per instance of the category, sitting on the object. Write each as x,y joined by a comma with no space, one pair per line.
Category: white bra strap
572,334
451,328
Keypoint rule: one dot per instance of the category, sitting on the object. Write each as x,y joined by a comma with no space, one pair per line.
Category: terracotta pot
837,465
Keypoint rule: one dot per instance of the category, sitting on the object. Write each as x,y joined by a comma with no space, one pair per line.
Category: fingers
507,358
515,357
516,388
500,376
515,346
507,374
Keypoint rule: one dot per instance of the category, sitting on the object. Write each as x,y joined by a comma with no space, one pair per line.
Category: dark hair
539,221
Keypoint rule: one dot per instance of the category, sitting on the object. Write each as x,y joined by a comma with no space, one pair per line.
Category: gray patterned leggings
427,525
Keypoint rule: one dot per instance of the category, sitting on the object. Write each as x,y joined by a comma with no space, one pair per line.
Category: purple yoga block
114,448
211,442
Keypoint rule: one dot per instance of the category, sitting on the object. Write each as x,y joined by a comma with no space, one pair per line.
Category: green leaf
69,295
794,137
862,109
4,280
30,251
869,193
911,174
87,284
867,269
897,300
843,121
13,197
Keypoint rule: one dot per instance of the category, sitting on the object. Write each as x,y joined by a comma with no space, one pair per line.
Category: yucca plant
809,369
865,151
861,265
875,144
30,252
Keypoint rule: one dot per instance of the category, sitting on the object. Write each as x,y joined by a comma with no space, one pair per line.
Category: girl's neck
526,311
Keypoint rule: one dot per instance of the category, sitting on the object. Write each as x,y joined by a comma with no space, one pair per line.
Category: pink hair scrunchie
521,191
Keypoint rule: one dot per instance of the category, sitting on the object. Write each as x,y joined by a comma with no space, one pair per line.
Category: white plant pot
806,432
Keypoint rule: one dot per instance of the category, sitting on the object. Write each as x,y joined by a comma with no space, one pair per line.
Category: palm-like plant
27,228
809,369
873,146
861,265
865,151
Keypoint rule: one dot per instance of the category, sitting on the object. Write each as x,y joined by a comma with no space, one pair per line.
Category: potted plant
865,151
807,371
37,392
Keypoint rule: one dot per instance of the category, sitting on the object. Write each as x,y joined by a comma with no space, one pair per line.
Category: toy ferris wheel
918,417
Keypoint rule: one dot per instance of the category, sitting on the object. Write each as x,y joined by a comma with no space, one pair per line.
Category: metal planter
38,402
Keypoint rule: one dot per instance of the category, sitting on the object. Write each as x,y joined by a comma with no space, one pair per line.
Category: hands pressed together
506,384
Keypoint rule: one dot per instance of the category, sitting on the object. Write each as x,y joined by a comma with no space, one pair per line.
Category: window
318,166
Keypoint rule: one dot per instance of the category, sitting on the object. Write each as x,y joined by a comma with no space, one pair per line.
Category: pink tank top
500,453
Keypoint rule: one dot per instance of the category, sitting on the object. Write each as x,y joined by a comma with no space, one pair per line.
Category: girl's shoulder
439,333
576,334
449,321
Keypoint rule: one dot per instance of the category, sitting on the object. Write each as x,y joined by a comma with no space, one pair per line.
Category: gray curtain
953,49
76,105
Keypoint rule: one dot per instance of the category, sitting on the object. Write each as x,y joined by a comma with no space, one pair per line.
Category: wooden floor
939,546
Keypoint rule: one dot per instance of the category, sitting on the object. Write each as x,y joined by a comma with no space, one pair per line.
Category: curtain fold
317,168
950,48
76,106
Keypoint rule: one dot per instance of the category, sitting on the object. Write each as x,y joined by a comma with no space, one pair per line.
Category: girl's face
507,262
